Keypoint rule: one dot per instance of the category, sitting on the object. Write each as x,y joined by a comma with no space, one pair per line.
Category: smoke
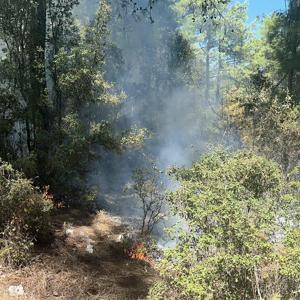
143,61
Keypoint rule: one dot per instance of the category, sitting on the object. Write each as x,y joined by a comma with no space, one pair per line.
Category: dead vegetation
70,269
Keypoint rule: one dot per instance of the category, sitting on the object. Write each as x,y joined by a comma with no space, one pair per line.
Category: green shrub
15,245
242,240
24,215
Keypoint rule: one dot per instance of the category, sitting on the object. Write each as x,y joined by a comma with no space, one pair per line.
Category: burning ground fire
139,252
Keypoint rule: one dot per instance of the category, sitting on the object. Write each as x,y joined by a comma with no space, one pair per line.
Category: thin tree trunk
207,67
219,98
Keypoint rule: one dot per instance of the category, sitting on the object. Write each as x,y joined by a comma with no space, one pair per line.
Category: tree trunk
36,56
207,67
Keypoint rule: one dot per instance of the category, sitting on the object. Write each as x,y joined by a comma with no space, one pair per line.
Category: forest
149,149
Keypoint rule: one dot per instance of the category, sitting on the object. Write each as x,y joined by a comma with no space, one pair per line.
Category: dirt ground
66,269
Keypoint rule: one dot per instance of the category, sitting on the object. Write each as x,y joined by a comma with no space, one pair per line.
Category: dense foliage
264,105
241,208
81,82
24,215
241,240
57,110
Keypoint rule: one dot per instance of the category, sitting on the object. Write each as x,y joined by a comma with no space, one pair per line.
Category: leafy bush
15,245
267,124
24,215
241,241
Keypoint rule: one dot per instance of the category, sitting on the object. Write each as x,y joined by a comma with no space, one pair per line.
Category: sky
264,7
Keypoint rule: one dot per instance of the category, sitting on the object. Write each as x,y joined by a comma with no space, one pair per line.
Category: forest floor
66,269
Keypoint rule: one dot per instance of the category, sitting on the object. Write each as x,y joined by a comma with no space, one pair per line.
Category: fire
56,204
59,205
139,252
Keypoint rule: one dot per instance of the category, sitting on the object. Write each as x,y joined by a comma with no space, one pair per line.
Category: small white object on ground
120,238
69,231
90,249
88,240
16,290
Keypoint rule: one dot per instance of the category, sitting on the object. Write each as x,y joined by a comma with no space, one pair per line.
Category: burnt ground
66,270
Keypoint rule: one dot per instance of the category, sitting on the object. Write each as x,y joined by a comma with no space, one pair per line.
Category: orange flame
59,205
139,252
56,204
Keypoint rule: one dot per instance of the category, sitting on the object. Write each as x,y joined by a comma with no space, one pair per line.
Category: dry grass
67,271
